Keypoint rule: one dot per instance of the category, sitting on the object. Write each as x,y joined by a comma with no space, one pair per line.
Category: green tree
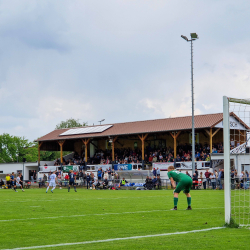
13,147
70,123
52,155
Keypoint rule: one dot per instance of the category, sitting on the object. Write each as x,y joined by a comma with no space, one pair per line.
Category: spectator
247,175
158,182
66,179
150,159
195,180
99,173
154,172
88,179
105,183
207,174
222,179
213,180
219,179
154,158
109,173
105,176
84,178
203,180
34,175
158,173
1,183
80,174
44,179
154,181
146,182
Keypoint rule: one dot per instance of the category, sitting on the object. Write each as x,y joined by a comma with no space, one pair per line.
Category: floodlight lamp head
101,121
184,37
194,36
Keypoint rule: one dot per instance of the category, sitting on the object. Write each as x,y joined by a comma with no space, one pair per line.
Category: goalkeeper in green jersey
184,183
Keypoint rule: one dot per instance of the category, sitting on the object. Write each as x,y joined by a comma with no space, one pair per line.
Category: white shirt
18,179
53,177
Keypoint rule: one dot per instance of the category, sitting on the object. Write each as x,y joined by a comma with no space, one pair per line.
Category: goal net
236,126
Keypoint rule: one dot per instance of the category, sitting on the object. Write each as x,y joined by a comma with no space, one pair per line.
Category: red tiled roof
141,127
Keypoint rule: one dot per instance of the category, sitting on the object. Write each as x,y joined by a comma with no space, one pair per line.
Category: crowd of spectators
216,179
128,155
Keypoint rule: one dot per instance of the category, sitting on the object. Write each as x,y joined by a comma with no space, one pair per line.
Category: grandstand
138,142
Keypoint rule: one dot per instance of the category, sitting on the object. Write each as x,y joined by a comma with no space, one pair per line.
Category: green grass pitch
34,218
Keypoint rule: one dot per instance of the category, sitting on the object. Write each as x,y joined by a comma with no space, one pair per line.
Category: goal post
226,145
236,143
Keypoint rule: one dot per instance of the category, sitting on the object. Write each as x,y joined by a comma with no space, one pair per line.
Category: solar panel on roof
87,130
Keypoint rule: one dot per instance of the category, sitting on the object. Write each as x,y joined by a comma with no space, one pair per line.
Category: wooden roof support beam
207,131
86,142
61,149
143,138
175,136
211,135
216,131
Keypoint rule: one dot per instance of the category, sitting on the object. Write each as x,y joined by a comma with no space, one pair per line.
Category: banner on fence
163,166
188,165
47,168
123,167
104,167
68,168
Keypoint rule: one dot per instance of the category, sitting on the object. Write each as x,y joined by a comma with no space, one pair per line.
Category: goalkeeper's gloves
174,191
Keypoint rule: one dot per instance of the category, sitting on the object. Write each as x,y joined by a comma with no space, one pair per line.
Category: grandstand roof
141,127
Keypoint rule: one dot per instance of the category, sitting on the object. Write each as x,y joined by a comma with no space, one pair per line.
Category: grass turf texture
34,218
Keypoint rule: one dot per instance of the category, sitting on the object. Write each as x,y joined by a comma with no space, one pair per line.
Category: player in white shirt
52,182
17,182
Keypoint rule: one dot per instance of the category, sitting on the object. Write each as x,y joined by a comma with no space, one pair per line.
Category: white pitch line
112,198
115,239
83,215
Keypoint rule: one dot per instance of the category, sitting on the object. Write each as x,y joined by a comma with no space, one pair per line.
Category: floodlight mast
194,36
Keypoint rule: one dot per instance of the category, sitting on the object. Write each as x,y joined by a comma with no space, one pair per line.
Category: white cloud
118,60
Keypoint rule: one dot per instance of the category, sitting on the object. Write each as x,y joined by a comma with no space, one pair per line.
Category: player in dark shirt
72,179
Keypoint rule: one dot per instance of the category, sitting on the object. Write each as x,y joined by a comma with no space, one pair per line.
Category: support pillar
143,138
175,136
86,142
61,149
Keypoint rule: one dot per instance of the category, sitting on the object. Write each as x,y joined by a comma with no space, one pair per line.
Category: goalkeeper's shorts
185,185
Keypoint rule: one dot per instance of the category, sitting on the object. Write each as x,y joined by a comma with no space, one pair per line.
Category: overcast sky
118,60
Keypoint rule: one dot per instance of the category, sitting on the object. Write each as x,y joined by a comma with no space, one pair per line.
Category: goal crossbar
242,101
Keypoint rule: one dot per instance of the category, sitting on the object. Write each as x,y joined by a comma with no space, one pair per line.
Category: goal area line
101,214
115,239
